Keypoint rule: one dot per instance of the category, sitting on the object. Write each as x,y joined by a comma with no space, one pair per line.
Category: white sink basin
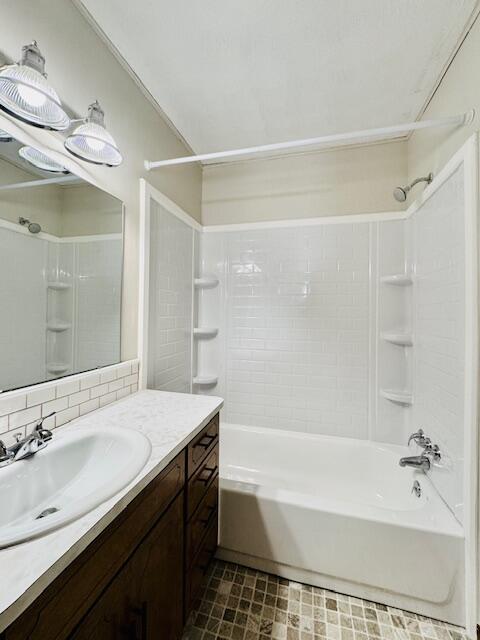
77,471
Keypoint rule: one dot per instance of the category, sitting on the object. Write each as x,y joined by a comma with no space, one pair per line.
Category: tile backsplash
69,397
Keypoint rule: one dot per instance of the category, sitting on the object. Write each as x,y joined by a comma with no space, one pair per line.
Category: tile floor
242,604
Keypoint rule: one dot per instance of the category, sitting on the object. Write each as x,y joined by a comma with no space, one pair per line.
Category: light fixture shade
5,136
90,141
26,94
40,160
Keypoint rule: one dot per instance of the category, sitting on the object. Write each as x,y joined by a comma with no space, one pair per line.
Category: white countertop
170,421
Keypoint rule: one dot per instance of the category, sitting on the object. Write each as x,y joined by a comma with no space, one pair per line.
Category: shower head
400,193
33,227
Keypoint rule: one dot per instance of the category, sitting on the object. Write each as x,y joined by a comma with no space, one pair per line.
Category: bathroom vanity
136,571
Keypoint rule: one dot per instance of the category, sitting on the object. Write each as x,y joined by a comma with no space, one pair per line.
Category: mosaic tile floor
242,604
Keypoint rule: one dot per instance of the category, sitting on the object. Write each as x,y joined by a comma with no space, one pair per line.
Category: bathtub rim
450,525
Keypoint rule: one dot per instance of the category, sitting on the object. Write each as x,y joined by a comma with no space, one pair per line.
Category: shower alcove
341,335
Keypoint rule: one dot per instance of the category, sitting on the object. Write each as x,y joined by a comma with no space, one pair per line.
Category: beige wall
88,211
38,204
82,69
331,182
458,92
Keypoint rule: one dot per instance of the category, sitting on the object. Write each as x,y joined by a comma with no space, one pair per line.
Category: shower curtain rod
331,140
42,182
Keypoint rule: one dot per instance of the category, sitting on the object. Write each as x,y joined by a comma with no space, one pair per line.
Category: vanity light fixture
40,160
26,94
5,136
91,141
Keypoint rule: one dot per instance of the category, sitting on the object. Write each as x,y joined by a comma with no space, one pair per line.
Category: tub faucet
424,460
418,462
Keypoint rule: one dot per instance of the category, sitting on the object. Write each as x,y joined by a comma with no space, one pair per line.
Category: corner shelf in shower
401,339
57,368
206,282
200,332
399,396
398,279
57,285
58,327
205,381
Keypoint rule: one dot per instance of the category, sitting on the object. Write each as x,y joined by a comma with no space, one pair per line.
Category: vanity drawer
199,484
205,515
200,447
199,568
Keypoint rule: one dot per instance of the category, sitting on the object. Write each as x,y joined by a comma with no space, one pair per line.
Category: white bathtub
340,514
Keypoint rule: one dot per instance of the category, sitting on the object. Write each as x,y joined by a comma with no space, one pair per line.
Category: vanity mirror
61,255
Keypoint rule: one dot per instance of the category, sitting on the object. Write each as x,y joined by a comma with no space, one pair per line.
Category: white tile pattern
19,410
170,316
296,328
89,309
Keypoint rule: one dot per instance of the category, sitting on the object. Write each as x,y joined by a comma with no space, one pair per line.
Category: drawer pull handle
204,567
203,444
209,510
211,472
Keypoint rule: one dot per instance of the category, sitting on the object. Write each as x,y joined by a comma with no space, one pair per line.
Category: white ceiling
233,73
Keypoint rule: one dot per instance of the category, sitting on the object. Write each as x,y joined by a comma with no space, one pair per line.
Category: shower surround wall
170,304
71,326
298,327
439,235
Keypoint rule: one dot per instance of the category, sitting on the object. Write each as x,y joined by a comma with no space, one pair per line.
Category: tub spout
418,462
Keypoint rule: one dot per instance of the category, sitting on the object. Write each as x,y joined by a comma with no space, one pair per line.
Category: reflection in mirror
61,253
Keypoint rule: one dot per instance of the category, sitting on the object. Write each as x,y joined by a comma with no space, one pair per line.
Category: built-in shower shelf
200,332
205,381
57,285
57,367
398,279
57,327
402,339
399,396
206,282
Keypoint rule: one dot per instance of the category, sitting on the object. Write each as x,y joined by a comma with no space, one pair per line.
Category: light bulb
96,145
33,97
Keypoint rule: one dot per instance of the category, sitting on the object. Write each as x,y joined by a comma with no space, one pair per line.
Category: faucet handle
40,432
433,450
6,456
420,438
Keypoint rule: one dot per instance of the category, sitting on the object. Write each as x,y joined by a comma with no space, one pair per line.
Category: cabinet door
144,601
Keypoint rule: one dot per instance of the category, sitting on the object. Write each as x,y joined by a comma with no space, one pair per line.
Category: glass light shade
5,136
90,141
40,160
26,94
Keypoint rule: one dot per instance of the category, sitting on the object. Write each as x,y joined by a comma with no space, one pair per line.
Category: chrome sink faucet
431,452
26,447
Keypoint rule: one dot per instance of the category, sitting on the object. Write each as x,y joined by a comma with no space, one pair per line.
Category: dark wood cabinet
139,578
144,602
201,509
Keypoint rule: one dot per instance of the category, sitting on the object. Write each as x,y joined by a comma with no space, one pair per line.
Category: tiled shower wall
170,302
24,301
69,397
296,328
92,306
298,339
302,317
